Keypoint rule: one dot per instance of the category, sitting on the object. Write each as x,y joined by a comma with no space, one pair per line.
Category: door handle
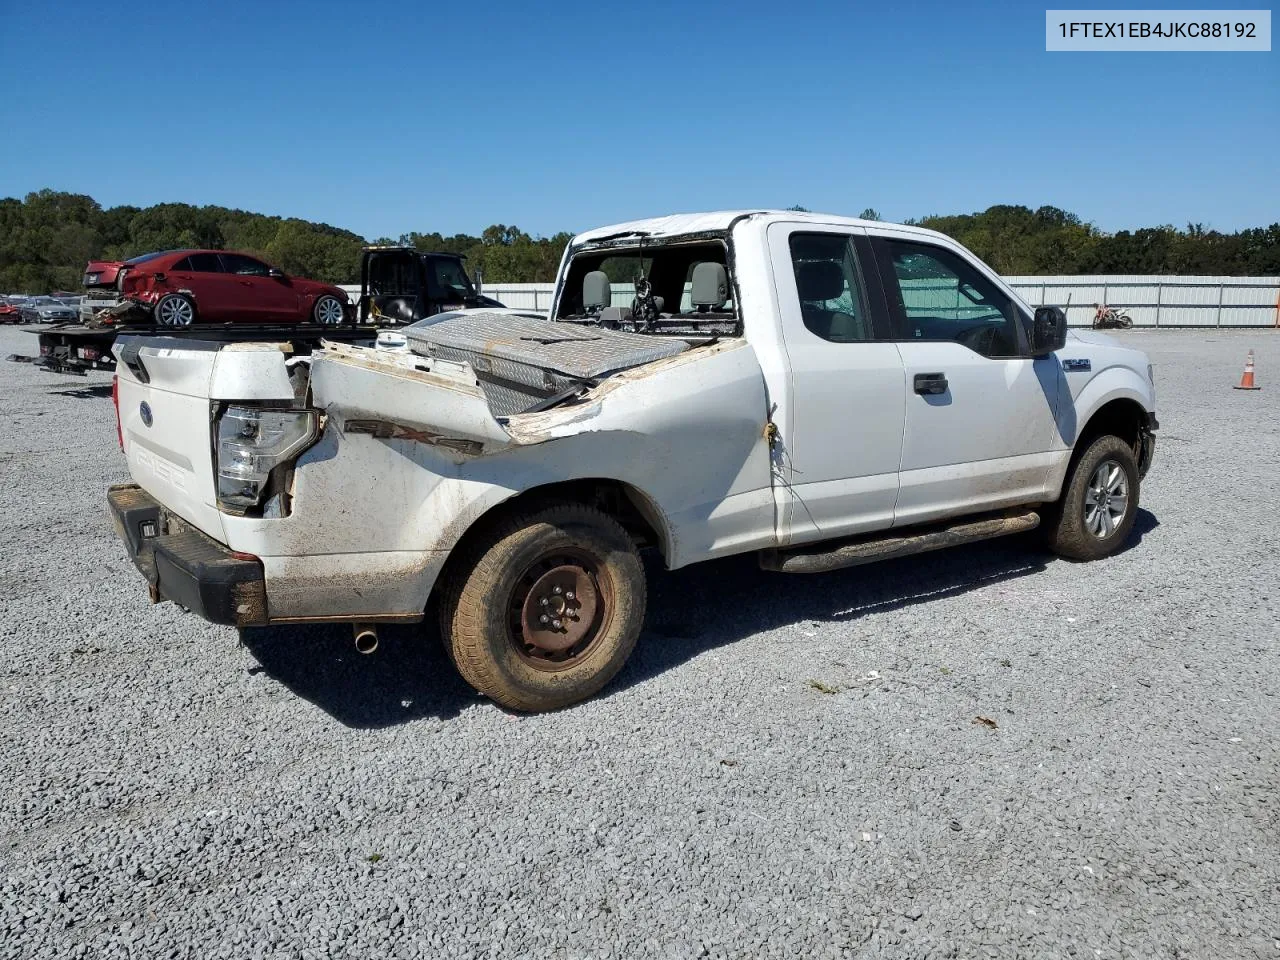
929,384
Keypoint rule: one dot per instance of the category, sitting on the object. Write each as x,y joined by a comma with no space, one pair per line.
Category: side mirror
1048,331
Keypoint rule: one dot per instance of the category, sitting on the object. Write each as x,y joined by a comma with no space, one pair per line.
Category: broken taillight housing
253,441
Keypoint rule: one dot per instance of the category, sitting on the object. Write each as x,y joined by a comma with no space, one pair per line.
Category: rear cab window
672,286
829,287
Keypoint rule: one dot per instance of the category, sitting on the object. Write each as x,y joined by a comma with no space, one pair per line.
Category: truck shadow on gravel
94,391
691,611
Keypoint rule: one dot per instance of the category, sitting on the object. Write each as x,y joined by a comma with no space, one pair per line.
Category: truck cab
820,391
402,285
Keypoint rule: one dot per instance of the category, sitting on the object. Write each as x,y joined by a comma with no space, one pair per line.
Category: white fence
1160,301
1152,301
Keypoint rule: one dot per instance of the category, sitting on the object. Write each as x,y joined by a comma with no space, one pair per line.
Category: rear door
841,421
980,429
168,397
260,297
210,287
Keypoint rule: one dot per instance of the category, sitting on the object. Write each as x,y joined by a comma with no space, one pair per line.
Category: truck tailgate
167,393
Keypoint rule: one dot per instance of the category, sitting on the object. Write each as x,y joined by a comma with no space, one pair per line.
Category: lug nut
543,619
557,624
555,589
543,601
570,596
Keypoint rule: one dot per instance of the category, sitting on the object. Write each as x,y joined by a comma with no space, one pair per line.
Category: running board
821,557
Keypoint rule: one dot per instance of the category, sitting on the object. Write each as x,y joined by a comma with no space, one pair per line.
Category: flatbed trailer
76,349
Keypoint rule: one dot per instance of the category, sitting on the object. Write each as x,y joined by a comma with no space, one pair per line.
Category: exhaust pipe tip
366,635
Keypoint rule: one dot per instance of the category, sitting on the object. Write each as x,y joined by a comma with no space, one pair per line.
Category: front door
840,423
980,429
260,297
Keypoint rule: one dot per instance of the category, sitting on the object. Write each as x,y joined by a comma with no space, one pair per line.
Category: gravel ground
790,766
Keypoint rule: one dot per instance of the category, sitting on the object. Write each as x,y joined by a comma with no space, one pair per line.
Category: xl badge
144,409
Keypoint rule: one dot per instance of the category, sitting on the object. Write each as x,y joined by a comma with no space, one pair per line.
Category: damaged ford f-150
821,391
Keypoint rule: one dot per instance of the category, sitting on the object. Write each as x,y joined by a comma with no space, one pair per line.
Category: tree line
47,237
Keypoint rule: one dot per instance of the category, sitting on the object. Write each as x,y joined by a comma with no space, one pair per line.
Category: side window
939,296
243,266
832,304
204,263
182,266
446,280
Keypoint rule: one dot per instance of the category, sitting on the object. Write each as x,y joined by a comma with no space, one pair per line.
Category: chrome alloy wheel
1106,499
175,312
329,311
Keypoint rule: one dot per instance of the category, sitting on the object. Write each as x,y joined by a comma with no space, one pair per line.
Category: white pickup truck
818,390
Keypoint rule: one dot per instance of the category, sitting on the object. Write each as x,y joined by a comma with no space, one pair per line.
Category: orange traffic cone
1246,381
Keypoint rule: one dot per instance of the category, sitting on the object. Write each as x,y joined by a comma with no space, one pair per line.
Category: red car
182,287
9,312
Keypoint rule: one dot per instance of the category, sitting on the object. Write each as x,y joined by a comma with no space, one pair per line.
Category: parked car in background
10,312
47,310
182,287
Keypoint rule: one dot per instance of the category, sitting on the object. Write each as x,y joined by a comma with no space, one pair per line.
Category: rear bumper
183,565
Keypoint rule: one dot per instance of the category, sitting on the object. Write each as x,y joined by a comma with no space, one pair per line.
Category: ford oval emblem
144,409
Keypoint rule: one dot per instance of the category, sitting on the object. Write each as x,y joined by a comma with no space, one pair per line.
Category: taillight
115,400
253,441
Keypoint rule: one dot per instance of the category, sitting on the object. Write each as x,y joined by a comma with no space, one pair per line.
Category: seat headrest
819,280
710,285
596,291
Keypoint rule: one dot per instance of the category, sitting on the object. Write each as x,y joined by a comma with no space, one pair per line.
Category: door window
447,281
204,263
244,266
832,304
937,295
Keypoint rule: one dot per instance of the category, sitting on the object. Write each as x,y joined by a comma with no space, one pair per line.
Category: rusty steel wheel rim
558,609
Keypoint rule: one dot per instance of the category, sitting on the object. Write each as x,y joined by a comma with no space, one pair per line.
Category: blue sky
390,117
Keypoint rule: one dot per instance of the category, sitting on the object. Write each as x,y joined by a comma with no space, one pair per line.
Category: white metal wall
1161,301
1152,301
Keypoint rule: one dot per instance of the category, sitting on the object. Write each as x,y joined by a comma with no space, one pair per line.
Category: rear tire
328,311
1099,502
543,610
175,310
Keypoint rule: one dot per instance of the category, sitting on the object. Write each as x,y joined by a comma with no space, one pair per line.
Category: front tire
328,311
175,310
544,610
1099,503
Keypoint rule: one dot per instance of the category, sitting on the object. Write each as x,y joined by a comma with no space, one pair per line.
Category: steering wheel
644,308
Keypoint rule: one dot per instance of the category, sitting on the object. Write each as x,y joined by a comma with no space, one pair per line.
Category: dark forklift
403,285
